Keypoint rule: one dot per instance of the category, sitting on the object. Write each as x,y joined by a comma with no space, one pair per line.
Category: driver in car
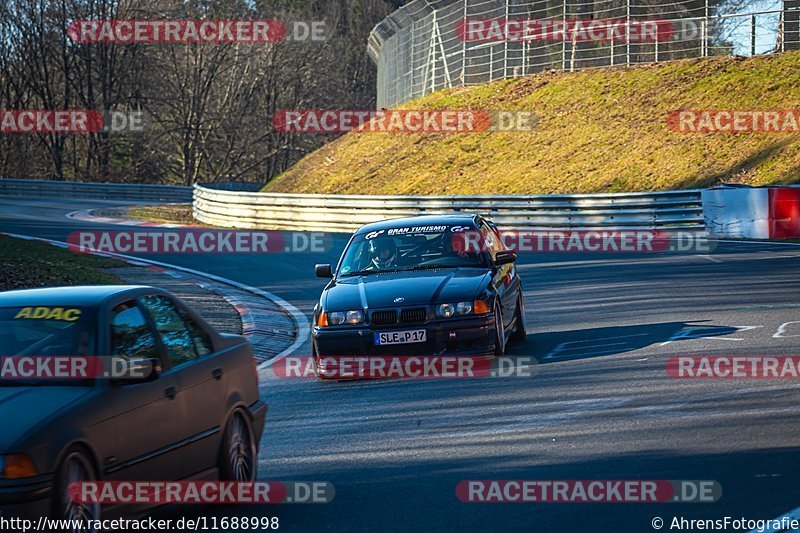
383,253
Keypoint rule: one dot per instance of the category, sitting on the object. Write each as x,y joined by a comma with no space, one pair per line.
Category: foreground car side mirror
139,370
323,271
504,258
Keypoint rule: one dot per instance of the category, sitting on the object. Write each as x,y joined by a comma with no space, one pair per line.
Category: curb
87,215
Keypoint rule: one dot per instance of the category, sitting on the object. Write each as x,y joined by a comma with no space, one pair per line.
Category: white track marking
696,333
782,330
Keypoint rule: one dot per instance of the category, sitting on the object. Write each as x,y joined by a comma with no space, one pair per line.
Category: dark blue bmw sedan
192,413
403,287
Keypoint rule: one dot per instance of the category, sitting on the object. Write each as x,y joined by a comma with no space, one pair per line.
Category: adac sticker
49,313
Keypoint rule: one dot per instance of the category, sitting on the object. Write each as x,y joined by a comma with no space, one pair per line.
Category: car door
148,422
506,280
201,378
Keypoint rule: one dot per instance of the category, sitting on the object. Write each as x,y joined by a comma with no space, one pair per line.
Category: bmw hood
23,408
396,289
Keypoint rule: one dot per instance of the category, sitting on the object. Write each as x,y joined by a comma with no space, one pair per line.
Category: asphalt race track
599,404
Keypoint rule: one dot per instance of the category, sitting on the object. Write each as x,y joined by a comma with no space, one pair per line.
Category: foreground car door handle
217,373
170,392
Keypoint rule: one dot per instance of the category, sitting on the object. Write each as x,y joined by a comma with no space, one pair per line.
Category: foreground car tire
75,467
499,333
238,456
520,329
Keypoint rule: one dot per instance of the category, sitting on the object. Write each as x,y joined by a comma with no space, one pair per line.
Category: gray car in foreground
191,412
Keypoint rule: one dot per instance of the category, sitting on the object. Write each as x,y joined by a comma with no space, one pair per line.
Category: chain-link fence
429,45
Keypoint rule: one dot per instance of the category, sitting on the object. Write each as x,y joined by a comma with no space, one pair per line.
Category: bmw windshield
44,332
408,249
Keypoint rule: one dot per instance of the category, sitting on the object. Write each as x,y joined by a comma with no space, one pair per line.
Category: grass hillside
600,131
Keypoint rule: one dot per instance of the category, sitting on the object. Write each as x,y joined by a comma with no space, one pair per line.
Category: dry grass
599,131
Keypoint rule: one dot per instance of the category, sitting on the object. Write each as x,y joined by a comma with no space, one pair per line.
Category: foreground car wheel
238,457
317,368
520,329
499,333
75,468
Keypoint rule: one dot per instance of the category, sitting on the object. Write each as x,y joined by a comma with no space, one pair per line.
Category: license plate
400,337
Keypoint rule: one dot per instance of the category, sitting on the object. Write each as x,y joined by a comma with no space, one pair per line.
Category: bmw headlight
450,310
354,317
446,310
338,318
464,308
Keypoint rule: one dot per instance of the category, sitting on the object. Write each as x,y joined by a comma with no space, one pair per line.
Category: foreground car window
130,334
51,330
400,249
174,332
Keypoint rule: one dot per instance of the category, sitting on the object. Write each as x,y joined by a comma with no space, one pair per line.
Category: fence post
505,43
628,33
564,37
657,36
432,54
612,46
753,36
704,46
464,48
491,63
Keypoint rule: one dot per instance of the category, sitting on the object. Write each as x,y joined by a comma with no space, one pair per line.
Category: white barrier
752,212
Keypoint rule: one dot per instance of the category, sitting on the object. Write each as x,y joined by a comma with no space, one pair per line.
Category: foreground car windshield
400,249
47,331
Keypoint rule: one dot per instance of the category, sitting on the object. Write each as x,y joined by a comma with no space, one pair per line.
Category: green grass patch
28,264
602,130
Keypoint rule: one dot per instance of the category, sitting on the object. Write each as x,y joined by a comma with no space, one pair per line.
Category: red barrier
784,213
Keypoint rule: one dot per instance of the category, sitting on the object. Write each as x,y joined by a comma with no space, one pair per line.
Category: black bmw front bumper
26,498
471,336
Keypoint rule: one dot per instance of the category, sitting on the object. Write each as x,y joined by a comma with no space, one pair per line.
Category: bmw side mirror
323,271
505,258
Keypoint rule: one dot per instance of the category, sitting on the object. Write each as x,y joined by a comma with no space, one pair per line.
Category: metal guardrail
102,191
344,213
220,205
